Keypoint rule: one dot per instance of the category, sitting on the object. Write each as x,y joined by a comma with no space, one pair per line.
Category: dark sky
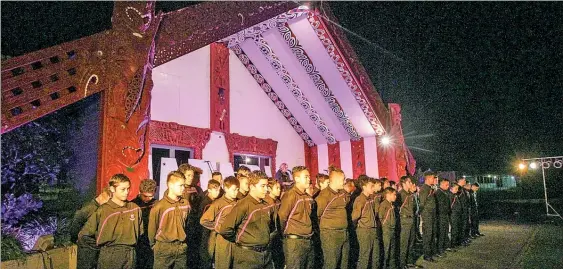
480,84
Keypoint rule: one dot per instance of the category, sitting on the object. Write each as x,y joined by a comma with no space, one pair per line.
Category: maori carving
334,155
237,143
292,86
174,134
126,102
314,163
219,88
191,28
358,158
349,67
257,29
401,149
270,92
317,79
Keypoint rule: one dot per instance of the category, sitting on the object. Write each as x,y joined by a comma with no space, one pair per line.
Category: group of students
247,221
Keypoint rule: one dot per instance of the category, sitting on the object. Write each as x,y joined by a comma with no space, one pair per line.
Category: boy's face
146,196
386,184
474,188
376,187
337,181
275,190
302,179
260,189
219,178
407,186
454,189
444,185
413,188
369,188
391,197
121,191
231,192
176,187
244,188
467,187
213,192
462,182
189,177
323,185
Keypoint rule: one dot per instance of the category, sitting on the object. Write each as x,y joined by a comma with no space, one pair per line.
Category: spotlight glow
522,166
533,165
385,140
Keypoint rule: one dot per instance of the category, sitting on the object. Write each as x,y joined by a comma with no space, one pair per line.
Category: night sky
480,84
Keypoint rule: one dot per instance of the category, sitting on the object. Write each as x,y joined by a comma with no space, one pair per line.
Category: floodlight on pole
533,165
545,163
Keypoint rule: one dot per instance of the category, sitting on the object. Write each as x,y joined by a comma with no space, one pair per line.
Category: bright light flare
521,166
385,140
533,165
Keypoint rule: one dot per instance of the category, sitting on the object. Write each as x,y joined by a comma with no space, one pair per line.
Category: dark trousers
299,253
207,248
250,259
456,233
170,255
406,239
443,227
368,243
223,253
475,223
193,234
145,257
428,235
336,248
465,225
389,244
115,257
87,257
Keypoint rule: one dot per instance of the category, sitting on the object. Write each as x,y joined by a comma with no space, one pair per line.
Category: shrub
11,248
15,208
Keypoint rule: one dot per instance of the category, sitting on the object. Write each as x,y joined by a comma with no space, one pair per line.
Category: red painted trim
241,144
313,164
174,134
219,88
358,157
334,154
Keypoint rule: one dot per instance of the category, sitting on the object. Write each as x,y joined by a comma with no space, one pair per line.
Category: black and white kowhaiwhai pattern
317,79
271,94
282,72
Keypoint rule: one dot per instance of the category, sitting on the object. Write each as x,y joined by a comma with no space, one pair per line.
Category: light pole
545,163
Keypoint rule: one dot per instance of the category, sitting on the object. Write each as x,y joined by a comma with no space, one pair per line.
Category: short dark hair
376,181
175,174
321,178
363,180
383,180
388,190
186,167
391,182
298,169
273,182
443,179
255,177
147,185
429,173
213,184
476,184
230,181
404,179
118,178
334,170
459,179
216,174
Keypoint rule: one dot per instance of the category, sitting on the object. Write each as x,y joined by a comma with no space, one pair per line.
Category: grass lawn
545,249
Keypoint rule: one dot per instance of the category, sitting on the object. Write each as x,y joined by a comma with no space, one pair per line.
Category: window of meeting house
251,161
182,155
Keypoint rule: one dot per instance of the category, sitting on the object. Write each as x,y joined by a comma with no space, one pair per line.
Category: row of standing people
245,225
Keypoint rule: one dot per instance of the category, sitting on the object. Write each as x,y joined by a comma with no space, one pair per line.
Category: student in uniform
167,220
249,225
145,200
193,194
385,184
407,214
244,187
333,221
217,176
428,215
276,245
364,219
443,212
116,227
464,200
242,171
387,215
455,216
87,256
296,223
475,211
205,251
217,246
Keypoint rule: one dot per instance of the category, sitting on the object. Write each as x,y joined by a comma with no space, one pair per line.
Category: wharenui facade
225,83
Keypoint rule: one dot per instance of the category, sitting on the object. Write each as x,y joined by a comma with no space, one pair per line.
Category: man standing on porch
283,177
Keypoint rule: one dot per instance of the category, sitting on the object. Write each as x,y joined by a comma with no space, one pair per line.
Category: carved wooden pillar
219,88
334,155
125,103
358,157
